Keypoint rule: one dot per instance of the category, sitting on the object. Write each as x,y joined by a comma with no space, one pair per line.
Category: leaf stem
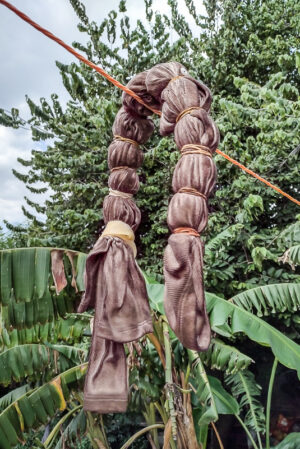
217,435
247,431
169,379
51,437
246,388
141,432
269,399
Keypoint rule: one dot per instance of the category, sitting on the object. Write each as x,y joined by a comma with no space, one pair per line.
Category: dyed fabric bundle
185,106
114,284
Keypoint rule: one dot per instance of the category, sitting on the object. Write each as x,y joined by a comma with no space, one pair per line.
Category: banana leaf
228,319
37,361
38,406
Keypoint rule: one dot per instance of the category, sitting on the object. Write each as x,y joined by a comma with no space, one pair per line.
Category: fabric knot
175,78
121,167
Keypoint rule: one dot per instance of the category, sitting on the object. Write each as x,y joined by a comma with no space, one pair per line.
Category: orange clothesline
130,92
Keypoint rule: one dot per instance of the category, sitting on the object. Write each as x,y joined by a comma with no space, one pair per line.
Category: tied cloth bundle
185,112
115,286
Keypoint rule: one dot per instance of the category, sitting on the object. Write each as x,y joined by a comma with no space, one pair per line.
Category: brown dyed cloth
185,300
116,289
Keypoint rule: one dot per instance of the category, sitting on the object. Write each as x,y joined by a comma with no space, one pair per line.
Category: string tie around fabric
121,167
195,149
117,228
126,139
186,111
186,230
125,195
175,78
192,191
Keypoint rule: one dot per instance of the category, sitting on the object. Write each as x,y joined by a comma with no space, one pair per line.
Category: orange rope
186,230
129,91
77,55
233,161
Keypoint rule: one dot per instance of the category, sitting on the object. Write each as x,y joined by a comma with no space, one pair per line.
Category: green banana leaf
245,389
37,406
228,319
224,315
27,273
12,396
203,391
69,330
226,404
37,361
270,299
292,441
75,428
224,357
209,397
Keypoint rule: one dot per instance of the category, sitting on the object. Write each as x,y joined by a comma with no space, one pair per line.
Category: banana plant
180,392
39,327
229,319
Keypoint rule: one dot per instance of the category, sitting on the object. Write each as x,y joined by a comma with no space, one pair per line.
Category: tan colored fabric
104,392
115,286
120,229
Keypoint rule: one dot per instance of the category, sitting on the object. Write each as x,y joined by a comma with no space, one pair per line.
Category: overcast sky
28,67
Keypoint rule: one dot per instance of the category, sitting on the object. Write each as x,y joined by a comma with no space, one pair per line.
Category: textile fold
116,289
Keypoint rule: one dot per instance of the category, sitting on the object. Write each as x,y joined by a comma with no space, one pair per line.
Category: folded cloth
106,384
115,287
184,300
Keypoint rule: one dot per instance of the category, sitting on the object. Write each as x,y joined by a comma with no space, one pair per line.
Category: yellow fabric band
117,228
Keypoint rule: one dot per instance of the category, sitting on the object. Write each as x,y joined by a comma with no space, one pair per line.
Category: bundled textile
185,111
115,286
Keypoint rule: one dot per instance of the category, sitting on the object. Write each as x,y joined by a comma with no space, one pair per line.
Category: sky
28,68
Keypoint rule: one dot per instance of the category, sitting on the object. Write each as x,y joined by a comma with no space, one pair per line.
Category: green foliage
224,357
37,362
244,388
290,442
244,52
204,394
36,406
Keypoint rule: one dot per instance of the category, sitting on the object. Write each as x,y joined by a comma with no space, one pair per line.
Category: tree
245,51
